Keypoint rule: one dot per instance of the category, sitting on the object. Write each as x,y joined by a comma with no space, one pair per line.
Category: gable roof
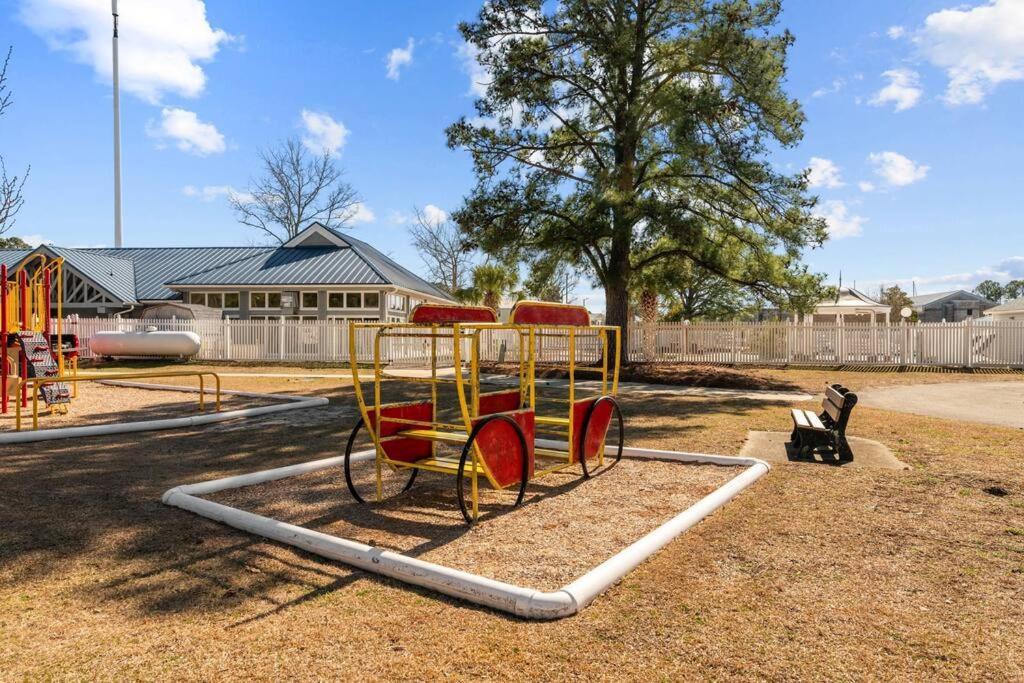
850,298
1011,306
938,297
115,275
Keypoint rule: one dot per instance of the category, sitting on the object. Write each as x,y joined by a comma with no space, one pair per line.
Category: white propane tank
148,343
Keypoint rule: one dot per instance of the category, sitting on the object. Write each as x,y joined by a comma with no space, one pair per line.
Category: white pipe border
292,403
523,602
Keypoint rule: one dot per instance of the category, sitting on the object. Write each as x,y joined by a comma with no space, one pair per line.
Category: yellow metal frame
469,406
37,382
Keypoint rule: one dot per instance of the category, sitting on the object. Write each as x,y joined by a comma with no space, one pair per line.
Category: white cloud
904,89
836,86
398,58
866,186
209,193
399,218
434,214
979,47
896,169
1007,269
187,131
323,133
895,32
161,44
35,240
1012,267
479,77
361,213
823,173
841,222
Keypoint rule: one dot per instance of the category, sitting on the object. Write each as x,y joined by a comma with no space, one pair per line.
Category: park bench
812,432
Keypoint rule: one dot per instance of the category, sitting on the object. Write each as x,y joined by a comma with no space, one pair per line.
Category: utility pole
117,135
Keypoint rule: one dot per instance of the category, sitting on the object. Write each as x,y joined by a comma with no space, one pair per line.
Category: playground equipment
496,430
30,349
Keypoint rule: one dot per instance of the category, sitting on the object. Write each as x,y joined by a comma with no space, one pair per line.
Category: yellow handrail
37,382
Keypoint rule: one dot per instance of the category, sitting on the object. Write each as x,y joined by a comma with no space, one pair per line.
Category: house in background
951,307
850,305
1011,310
320,274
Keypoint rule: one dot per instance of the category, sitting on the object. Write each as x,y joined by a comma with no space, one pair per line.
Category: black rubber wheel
395,474
585,427
467,449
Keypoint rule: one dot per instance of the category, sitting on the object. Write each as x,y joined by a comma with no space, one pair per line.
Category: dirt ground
814,572
103,404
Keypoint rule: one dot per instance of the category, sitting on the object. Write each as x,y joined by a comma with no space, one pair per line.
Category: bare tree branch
296,189
442,247
11,199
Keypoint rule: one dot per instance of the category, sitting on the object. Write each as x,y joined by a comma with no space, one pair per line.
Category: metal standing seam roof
155,267
115,275
926,299
149,273
392,271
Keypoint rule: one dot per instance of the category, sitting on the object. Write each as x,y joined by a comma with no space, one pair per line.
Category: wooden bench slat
814,420
799,418
834,396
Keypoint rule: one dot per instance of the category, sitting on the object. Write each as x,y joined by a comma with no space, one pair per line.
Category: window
310,299
214,300
197,298
353,300
264,300
230,299
371,300
336,300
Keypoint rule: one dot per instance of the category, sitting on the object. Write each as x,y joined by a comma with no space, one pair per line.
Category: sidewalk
632,388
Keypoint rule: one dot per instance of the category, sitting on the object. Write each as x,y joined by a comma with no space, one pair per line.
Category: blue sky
913,121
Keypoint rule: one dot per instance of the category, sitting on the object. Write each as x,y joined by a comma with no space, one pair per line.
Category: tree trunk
617,313
649,316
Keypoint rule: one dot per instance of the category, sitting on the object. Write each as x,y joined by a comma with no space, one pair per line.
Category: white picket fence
971,344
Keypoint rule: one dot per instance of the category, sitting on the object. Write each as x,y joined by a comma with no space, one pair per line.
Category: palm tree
492,281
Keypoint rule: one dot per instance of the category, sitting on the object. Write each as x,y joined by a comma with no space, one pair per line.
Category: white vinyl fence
977,343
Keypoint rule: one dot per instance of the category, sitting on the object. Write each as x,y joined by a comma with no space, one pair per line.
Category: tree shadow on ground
96,501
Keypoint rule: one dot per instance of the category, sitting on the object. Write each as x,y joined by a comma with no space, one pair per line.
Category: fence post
968,339
280,338
228,352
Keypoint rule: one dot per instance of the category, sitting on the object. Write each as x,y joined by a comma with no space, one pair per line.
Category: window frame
302,300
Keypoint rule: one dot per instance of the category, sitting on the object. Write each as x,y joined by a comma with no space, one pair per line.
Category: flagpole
117,135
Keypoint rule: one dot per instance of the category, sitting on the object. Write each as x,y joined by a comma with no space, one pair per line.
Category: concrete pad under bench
773,447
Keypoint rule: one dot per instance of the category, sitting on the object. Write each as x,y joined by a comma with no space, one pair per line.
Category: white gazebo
852,305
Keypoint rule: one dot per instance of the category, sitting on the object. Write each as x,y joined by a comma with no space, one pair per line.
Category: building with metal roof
951,307
318,274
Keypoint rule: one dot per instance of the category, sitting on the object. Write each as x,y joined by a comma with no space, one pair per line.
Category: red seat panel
500,449
596,430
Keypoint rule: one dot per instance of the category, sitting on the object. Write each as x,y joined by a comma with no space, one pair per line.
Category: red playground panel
501,450
596,430
438,314
499,402
398,448
544,313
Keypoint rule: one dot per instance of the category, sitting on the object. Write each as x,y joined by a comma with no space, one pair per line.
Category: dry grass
815,572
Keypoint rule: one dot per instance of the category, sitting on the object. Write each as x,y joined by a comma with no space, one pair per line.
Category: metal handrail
37,382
